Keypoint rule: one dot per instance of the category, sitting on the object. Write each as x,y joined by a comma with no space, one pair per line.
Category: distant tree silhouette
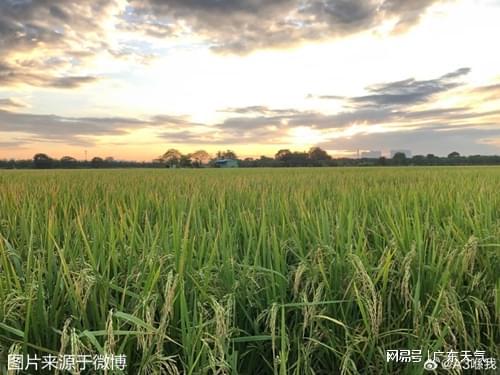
418,160
299,159
97,162
200,157
171,158
68,162
228,154
318,154
399,158
42,161
185,161
283,155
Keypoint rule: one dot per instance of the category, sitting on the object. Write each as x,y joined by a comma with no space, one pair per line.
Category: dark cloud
66,32
69,33
408,11
71,82
409,91
25,25
71,130
240,26
81,130
26,74
402,93
217,136
261,117
174,121
393,101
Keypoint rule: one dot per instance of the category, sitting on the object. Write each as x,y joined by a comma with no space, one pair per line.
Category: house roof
224,160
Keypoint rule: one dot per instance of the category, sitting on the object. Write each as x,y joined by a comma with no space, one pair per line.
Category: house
226,163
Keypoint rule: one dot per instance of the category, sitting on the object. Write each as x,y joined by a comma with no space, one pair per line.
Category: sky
131,79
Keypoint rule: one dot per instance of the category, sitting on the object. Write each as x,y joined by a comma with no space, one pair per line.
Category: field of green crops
264,271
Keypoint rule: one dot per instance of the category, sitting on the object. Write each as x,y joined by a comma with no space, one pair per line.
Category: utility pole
85,155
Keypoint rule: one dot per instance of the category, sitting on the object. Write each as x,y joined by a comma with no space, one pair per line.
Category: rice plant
269,271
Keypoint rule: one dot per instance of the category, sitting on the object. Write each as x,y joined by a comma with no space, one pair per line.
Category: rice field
267,271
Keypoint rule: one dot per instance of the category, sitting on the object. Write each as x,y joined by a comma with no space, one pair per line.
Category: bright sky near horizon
131,79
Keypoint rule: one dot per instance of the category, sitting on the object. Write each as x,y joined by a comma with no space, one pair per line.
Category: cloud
9,103
396,106
409,91
45,43
241,26
71,82
216,136
48,44
489,88
82,130
71,130
488,92
275,129
327,97
402,93
391,115
259,109
17,74
31,24
12,144
174,121
394,101
438,139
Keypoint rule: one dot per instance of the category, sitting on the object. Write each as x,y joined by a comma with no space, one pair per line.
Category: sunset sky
131,79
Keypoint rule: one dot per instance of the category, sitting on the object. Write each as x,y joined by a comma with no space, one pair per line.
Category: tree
299,159
432,159
283,155
200,157
68,161
399,158
172,157
419,159
228,154
185,161
42,161
453,155
97,162
318,154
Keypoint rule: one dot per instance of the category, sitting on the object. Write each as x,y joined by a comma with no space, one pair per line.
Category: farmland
268,271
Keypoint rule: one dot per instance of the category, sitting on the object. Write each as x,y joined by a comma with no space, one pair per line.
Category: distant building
226,163
371,154
406,152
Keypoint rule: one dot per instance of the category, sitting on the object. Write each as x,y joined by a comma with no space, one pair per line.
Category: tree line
315,157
